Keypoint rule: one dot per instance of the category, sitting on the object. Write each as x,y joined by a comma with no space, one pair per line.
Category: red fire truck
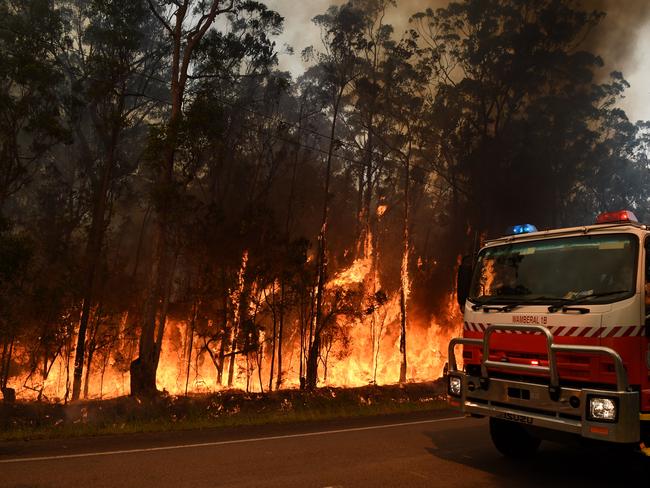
555,340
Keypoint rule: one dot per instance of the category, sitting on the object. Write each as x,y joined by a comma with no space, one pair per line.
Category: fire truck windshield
593,268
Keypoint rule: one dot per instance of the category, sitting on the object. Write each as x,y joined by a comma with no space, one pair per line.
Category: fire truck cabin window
598,268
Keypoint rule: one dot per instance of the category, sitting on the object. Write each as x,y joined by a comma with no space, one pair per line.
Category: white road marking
223,443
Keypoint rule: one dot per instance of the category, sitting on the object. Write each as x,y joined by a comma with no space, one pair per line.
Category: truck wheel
512,440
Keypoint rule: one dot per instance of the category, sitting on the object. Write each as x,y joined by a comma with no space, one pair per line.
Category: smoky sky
621,39
615,38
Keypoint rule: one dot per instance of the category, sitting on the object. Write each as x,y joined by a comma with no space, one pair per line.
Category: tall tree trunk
143,368
278,380
92,348
273,339
366,245
162,319
287,233
314,349
89,361
303,340
222,346
8,394
93,256
5,361
241,309
190,344
404,273
311,379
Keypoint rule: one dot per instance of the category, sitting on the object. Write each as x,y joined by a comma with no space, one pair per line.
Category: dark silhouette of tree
30,121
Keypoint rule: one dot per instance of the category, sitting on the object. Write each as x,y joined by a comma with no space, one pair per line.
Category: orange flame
369,353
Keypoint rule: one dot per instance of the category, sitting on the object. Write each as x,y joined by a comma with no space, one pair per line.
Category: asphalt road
413,451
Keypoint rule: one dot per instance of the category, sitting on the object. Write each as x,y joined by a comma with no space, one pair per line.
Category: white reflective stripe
620,331
608,331
574,331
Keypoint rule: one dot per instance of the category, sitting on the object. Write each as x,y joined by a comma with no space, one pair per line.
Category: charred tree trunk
314,348
287,233
93,255
221,358
278,380
91,353
404,273
92,348
311,379
366,231
273,339
240,315
190,345
162,320
8,394
143,368
303,339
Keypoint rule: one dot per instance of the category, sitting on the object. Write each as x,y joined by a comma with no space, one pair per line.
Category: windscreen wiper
565,303
490,304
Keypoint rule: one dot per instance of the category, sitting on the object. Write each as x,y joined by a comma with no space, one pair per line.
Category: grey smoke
616,36
615,39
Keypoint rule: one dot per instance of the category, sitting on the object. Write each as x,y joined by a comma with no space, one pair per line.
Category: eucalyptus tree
187,25
367,121
31,124
30,103
338,66
110,60
515,79
404,101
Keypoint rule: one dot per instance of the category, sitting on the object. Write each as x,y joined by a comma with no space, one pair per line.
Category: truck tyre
513,440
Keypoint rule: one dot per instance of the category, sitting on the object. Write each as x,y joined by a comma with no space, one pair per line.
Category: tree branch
160,18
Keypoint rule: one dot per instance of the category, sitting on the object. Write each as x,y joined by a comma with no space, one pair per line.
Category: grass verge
27,421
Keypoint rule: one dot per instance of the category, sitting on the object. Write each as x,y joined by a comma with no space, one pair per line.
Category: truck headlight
455,386
604,409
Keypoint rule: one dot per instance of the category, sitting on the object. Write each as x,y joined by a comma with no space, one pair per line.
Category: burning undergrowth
225,408
359,340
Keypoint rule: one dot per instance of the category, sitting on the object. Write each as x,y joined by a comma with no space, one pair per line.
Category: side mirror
464,280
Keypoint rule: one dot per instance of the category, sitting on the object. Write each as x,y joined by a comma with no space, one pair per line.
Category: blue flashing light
521,229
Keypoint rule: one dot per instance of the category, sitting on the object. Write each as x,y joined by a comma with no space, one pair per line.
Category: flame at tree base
359,350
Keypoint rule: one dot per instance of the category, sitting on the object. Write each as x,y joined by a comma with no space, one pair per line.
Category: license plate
522,419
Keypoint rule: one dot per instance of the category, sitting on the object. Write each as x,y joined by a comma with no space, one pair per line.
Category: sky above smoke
622,39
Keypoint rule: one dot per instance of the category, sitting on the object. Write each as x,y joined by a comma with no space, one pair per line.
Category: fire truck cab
555,339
